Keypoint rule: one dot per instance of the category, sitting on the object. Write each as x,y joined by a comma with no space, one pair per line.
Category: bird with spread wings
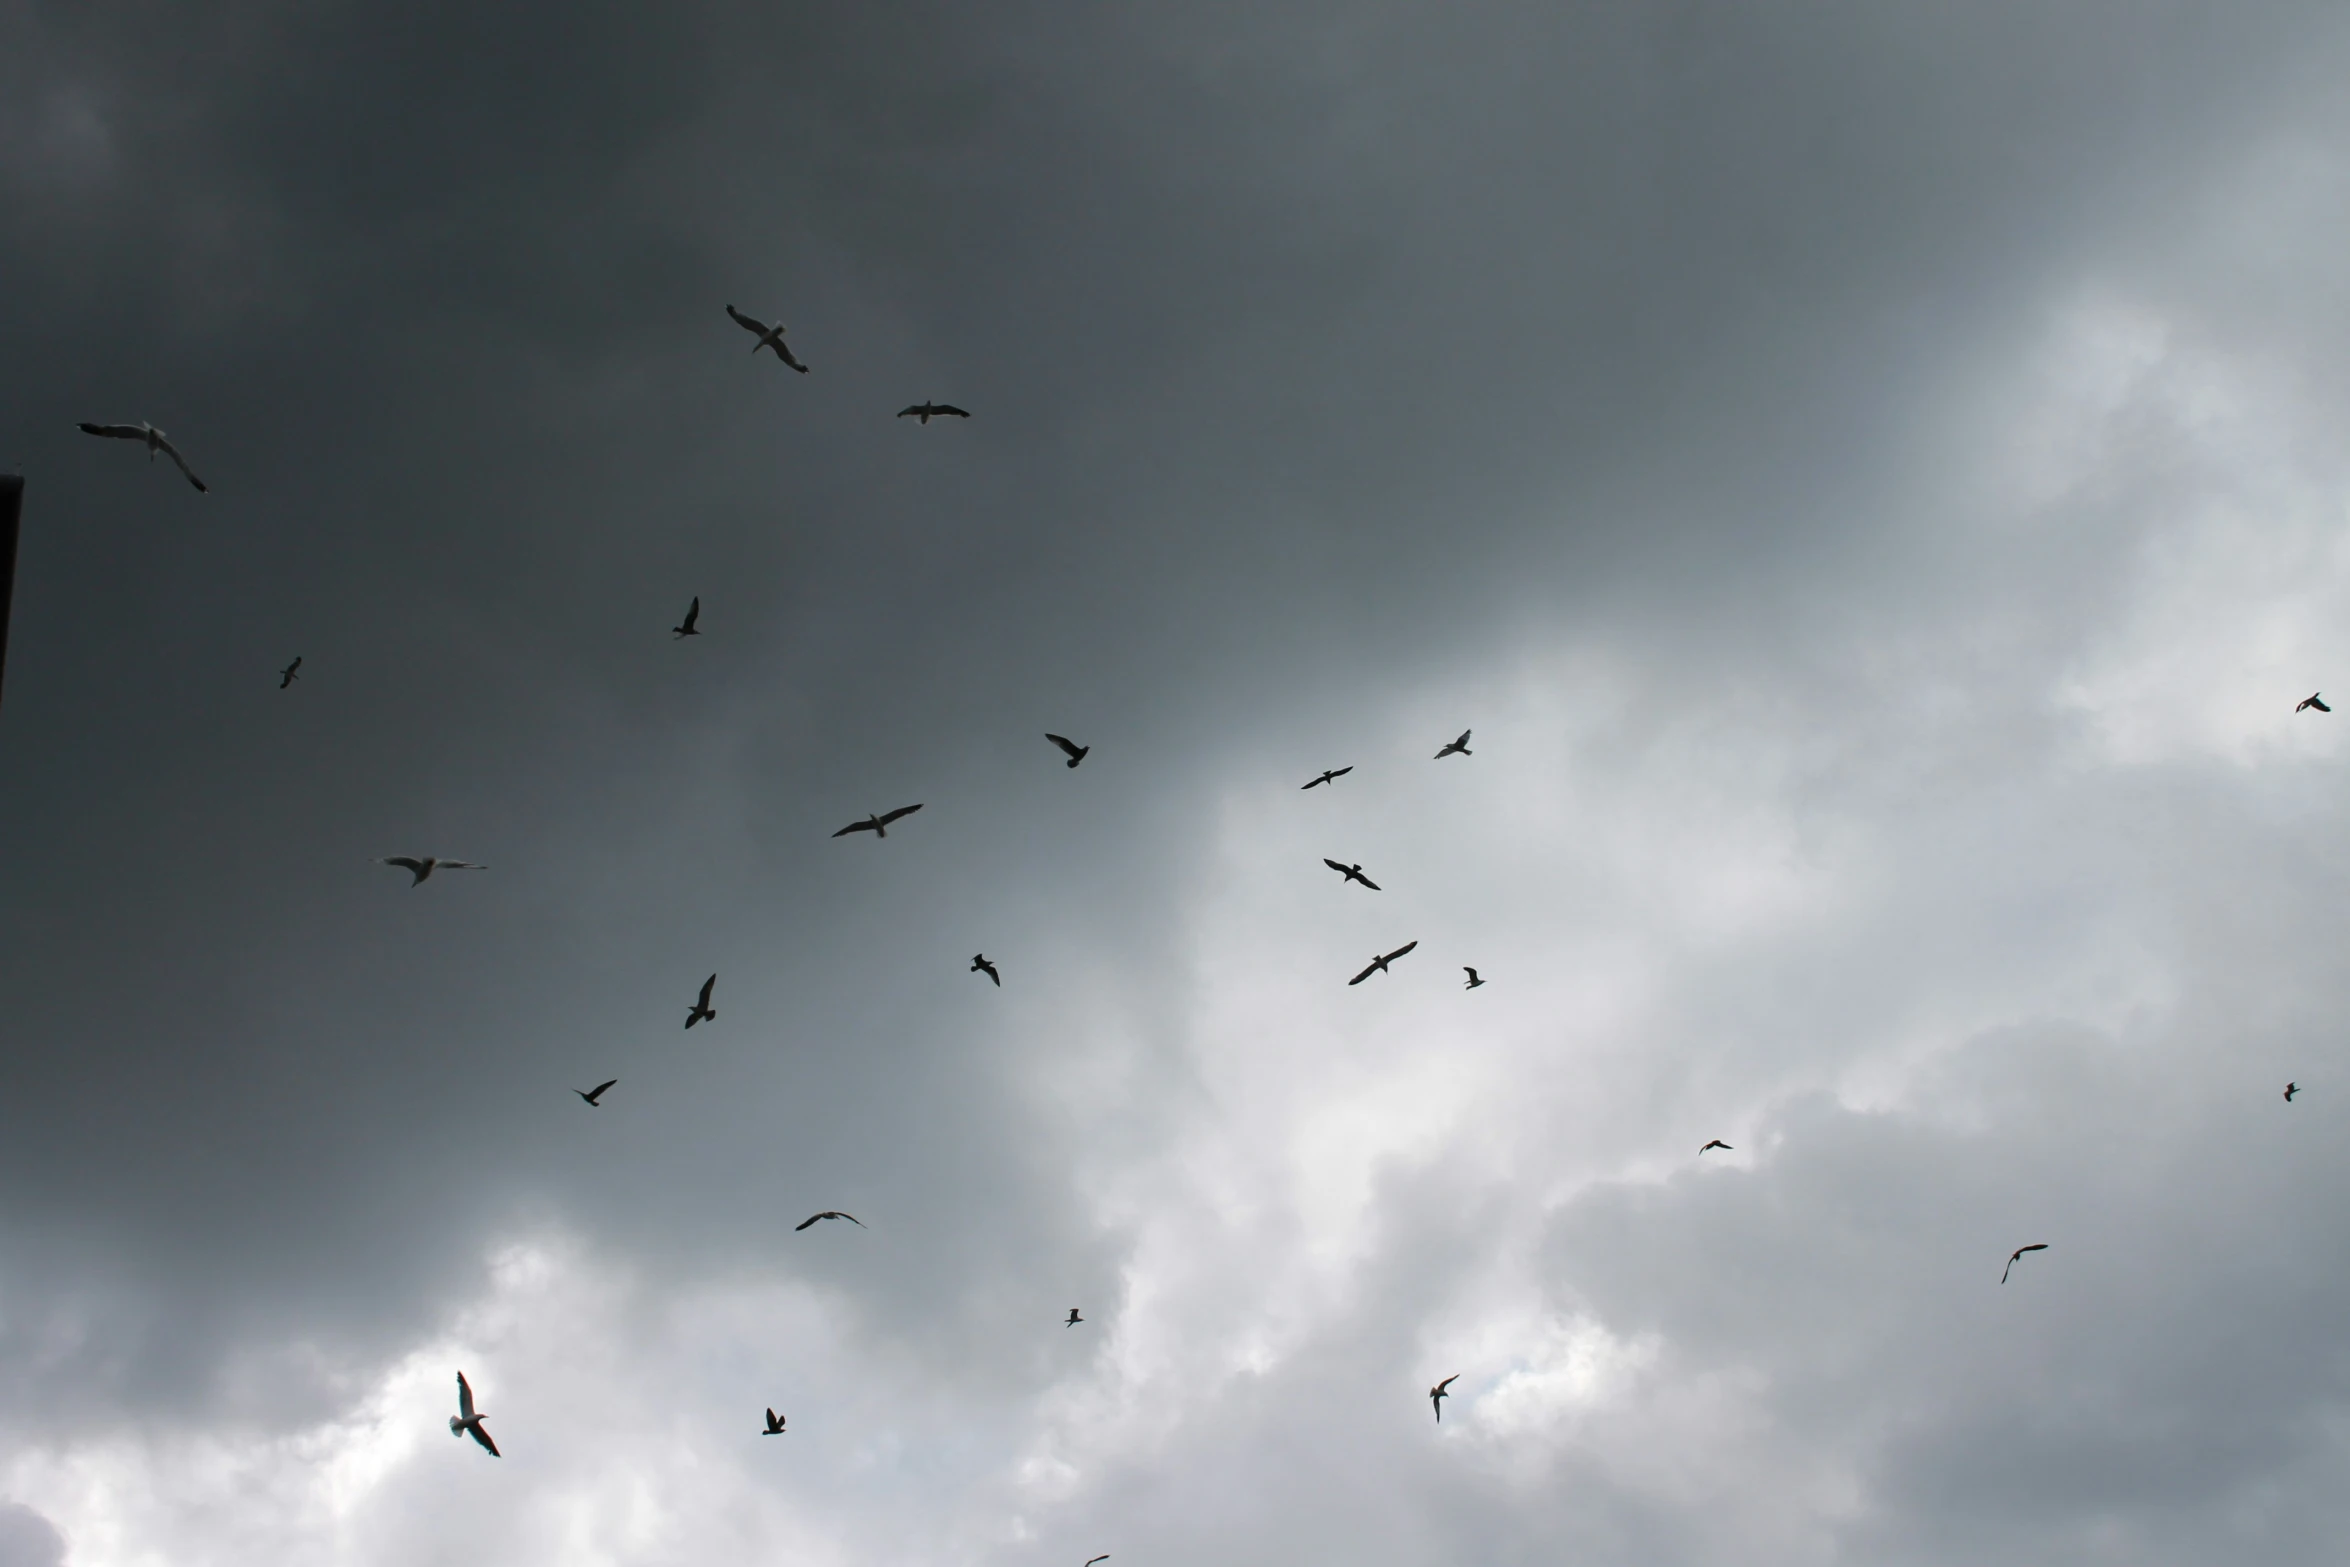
768,337
156,441
467,1421
1379,964
878,825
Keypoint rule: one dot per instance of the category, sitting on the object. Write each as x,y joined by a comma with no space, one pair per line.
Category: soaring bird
1070,748
1074,1319
769,337
980,965
286,676
1474,981
878,825
1335,772
1437,1395
420,869
1461,746
774,1424
2290,1090
1379,965
701,1011
156,441
468,1420
2314,699
685,627
592,1095
829,1213
928,411
1716,1143
2018,1252
1351,873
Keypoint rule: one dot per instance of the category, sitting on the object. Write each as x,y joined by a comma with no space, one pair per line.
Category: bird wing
2320,706
121,432
1341,772
414,866
1400,951
706,986
810,1219
459,865
950,408
1065,743
1464,739
1101,1558
1366,881
1448,1381
916,409
904,810
852,1218
693,611
864,826
483,1437
173,453
600,1087
1365,974
464,1396
748,323
1334,865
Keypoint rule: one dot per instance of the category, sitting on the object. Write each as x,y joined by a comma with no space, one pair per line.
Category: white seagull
421,869
156,441
467,1420
769,337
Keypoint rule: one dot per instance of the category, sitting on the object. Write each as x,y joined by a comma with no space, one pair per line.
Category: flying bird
2290,1090
286,676
1335,772
467,1420
156,441
1716,1143
2018,1252
1351,873
774,1424
1379,965
1070,748
591,1095
1461,746
1474,981
928,411
420,869
1089,1561
2314,699
980,965
1074,1319
701,1011
1437,1395
828,1213
685,627
878,825
769,337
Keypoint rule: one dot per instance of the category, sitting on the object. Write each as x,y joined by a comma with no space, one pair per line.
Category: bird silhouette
685,627
2018,1253
829,1213
1379,965
156,441
2290,1090
1070,748
1335,772
1351,873
1074,1318
2314,699
1461,746
1716,1143
878,825
980,965
768,337
700,1011
929,411
593,1095
1474,981
774,1424
1437,1395
421,869
467,1421
286,676
1089,1561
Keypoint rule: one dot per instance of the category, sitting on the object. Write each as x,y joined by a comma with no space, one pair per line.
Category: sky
1870,479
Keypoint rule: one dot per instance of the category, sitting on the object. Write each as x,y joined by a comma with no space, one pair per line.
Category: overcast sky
1874,479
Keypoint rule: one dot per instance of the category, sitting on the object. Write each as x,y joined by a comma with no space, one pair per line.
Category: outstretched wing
599,1090
804,1223
1334,865
748,323
1400,951
916,409
414,867
173,453
120,432
785,354
904,810
1365,974
707,985
693,612
865,826
483,1437
1366,881
950,408
1463,741
464,1397
1065,743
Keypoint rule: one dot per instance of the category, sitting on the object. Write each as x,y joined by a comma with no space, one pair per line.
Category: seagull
156,441
1437,1395
591,1095
286,676
2315,699
466,1419
423,868
2018,1252
1379,965
769,337
1074,1319
1716,1143
2290,1090
1075,752
828,1213
701,1011
980,965
1461,745
1335,772
1089,1561
685,627
878,826
1351,873
928,411
1474,981
774,1424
